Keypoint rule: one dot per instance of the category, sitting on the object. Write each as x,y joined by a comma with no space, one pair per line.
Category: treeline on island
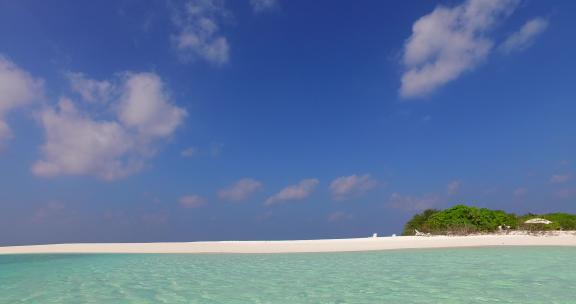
462,220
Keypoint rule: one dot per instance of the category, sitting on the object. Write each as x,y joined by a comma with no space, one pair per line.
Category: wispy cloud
192,201
189,152
260,6
560,178
414,203
90,90
525,36
448,42
213,150
241,190
411,202
345,187
299,191
198,33
76,143
17,89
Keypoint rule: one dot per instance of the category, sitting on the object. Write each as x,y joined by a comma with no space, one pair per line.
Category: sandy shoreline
328,245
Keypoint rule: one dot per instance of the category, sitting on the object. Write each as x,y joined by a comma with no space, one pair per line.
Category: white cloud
299,191
189,152
145,106
240,190
75,144
346,186
425,201
78,144
524,37
89,89
198,33
453,187
192,201
559,178
17,88
414,203
448,42
263,5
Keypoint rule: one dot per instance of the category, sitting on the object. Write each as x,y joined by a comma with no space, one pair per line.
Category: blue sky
273,119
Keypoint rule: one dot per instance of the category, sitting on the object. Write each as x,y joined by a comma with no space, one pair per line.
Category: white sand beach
567,238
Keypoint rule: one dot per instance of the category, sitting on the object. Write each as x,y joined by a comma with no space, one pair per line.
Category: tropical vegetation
462,219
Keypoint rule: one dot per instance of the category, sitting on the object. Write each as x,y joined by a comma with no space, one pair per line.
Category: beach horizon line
560,238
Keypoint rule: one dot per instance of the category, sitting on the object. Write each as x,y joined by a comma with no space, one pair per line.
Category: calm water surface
479,275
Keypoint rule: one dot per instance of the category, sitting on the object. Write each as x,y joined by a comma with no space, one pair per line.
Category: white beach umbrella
538,220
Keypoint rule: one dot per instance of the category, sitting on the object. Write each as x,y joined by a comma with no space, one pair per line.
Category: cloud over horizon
419,203
414,203
192,201
189,152
345,187
560,178
241,190
299,191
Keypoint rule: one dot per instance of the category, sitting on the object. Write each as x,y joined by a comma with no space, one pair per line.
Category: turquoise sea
478,275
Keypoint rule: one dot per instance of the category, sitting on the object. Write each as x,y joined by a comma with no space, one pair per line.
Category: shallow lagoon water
473,275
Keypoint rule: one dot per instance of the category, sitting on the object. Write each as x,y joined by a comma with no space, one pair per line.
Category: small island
467,220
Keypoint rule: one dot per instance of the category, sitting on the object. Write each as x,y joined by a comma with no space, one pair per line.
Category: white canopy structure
538,220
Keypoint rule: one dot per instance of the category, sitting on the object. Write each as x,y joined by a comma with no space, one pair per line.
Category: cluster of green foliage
418,221
460,219
466,219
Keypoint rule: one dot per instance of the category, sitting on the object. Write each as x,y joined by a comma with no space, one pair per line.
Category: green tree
462,219
418,222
